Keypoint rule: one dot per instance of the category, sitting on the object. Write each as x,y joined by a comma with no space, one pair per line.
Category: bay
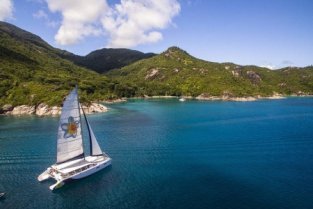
171,154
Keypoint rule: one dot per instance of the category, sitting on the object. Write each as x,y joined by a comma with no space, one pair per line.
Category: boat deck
78,165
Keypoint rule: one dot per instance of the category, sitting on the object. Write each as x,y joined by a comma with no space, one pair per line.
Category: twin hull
94,167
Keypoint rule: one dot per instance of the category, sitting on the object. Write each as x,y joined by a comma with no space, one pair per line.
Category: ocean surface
170,154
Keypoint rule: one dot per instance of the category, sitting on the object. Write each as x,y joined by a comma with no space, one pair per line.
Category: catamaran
71,160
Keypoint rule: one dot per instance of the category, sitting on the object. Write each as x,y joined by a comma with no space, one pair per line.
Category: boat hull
64,173
93,170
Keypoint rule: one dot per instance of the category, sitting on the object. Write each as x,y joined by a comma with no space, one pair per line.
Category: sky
269,33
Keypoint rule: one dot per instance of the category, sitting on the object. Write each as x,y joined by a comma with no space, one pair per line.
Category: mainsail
72,162
70,144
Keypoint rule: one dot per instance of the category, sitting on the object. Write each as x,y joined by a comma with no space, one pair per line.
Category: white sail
70,143
71,160
94,146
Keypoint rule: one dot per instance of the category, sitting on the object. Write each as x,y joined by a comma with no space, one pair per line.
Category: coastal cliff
45,110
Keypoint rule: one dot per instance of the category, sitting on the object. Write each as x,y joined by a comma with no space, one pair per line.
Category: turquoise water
170,154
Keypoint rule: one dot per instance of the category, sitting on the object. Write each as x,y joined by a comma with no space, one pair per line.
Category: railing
79,170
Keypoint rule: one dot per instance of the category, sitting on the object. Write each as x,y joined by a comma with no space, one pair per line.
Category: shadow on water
88,183
2,199
74,193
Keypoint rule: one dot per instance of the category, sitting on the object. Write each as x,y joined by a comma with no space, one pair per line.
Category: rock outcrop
253,77
228,97
235,73
94,108
243,99
6,108
152,74
276,96
225,97
23,110
44,110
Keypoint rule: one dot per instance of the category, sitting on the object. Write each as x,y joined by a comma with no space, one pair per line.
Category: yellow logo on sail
70,128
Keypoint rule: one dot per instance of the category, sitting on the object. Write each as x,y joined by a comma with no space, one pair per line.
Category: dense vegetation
31,72
175,72
103,60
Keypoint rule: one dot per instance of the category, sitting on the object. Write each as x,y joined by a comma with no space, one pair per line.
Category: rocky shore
207,97
237,99
45,110
224,97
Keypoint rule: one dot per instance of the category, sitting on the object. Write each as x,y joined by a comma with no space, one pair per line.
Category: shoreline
95,107
114,101
224,98
45,110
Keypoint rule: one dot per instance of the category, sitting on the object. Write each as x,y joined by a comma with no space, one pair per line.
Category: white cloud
79,19
41,14
134,22
126,24
6,9
52,23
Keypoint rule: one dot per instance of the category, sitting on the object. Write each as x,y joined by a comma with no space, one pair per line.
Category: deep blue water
169,154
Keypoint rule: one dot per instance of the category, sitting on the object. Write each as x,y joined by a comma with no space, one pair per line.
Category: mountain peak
174,51
106,59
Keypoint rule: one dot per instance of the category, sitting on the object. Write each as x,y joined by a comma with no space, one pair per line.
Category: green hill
32,72
103,60
175,72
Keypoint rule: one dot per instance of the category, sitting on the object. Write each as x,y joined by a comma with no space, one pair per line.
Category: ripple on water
168,154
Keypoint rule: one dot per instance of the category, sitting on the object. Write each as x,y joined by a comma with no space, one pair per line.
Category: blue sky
274,33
